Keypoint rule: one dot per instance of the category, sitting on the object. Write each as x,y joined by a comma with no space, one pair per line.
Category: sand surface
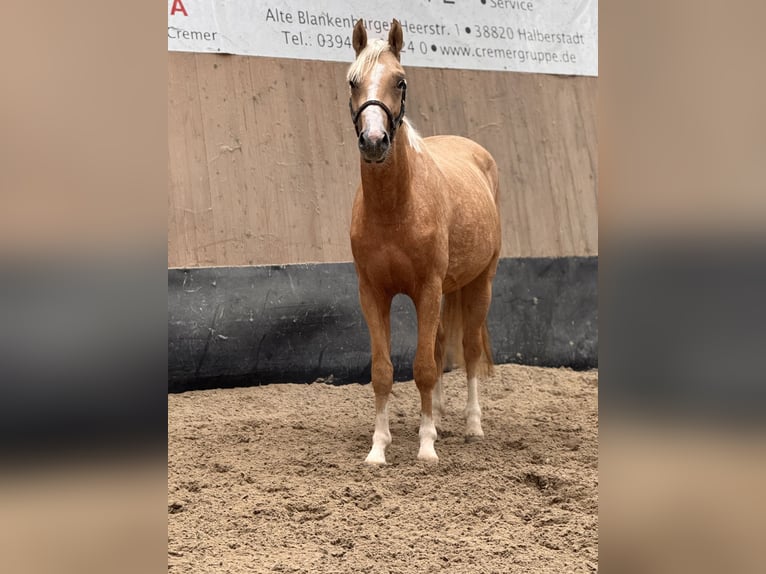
271,479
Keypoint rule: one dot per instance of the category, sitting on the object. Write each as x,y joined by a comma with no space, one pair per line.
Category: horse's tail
452,330
486,364
452,325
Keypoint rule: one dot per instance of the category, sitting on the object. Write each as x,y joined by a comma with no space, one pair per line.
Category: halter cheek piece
394,122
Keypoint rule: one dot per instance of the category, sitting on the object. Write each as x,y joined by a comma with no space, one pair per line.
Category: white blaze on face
373,117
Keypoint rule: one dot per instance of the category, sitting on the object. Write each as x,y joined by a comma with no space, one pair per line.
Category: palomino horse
424,223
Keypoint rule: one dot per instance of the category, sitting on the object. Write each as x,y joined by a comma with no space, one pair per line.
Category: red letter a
178,6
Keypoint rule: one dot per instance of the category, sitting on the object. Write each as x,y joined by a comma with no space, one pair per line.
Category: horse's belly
469,256
461,275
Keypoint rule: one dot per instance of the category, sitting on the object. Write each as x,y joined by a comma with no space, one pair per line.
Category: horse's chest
395,257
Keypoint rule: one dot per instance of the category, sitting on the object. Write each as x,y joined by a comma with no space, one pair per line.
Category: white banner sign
543,36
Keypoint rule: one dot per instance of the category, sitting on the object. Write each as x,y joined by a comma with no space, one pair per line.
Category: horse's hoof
374,461
429,461
430,458
474,437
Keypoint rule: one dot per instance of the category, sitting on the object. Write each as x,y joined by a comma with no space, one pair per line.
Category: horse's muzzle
374,146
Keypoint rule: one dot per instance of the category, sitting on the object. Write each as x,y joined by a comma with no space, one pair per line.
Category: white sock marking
473,410
381,438
427,435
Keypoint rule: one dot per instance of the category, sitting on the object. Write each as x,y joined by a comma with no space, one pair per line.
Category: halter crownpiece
394,122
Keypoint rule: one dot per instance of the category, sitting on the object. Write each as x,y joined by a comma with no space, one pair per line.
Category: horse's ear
360,37
395,38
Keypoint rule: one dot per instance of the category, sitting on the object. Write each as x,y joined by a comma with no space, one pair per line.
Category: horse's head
378,90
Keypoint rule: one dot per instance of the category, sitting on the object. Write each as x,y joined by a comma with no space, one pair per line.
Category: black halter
394,122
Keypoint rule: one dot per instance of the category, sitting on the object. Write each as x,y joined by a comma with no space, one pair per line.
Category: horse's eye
352,84
402,84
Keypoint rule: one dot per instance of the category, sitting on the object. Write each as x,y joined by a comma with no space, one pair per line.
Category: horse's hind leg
476,298
438,396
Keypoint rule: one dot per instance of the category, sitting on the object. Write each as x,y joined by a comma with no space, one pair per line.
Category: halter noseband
394,122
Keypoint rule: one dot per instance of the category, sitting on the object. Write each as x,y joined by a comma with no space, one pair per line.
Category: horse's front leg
376,307
428,306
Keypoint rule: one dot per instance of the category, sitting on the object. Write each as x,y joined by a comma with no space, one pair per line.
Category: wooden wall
263,162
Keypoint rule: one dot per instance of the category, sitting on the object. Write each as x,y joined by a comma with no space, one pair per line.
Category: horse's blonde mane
367,59
413,137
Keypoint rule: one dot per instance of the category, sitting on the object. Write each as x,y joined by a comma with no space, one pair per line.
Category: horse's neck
387,186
